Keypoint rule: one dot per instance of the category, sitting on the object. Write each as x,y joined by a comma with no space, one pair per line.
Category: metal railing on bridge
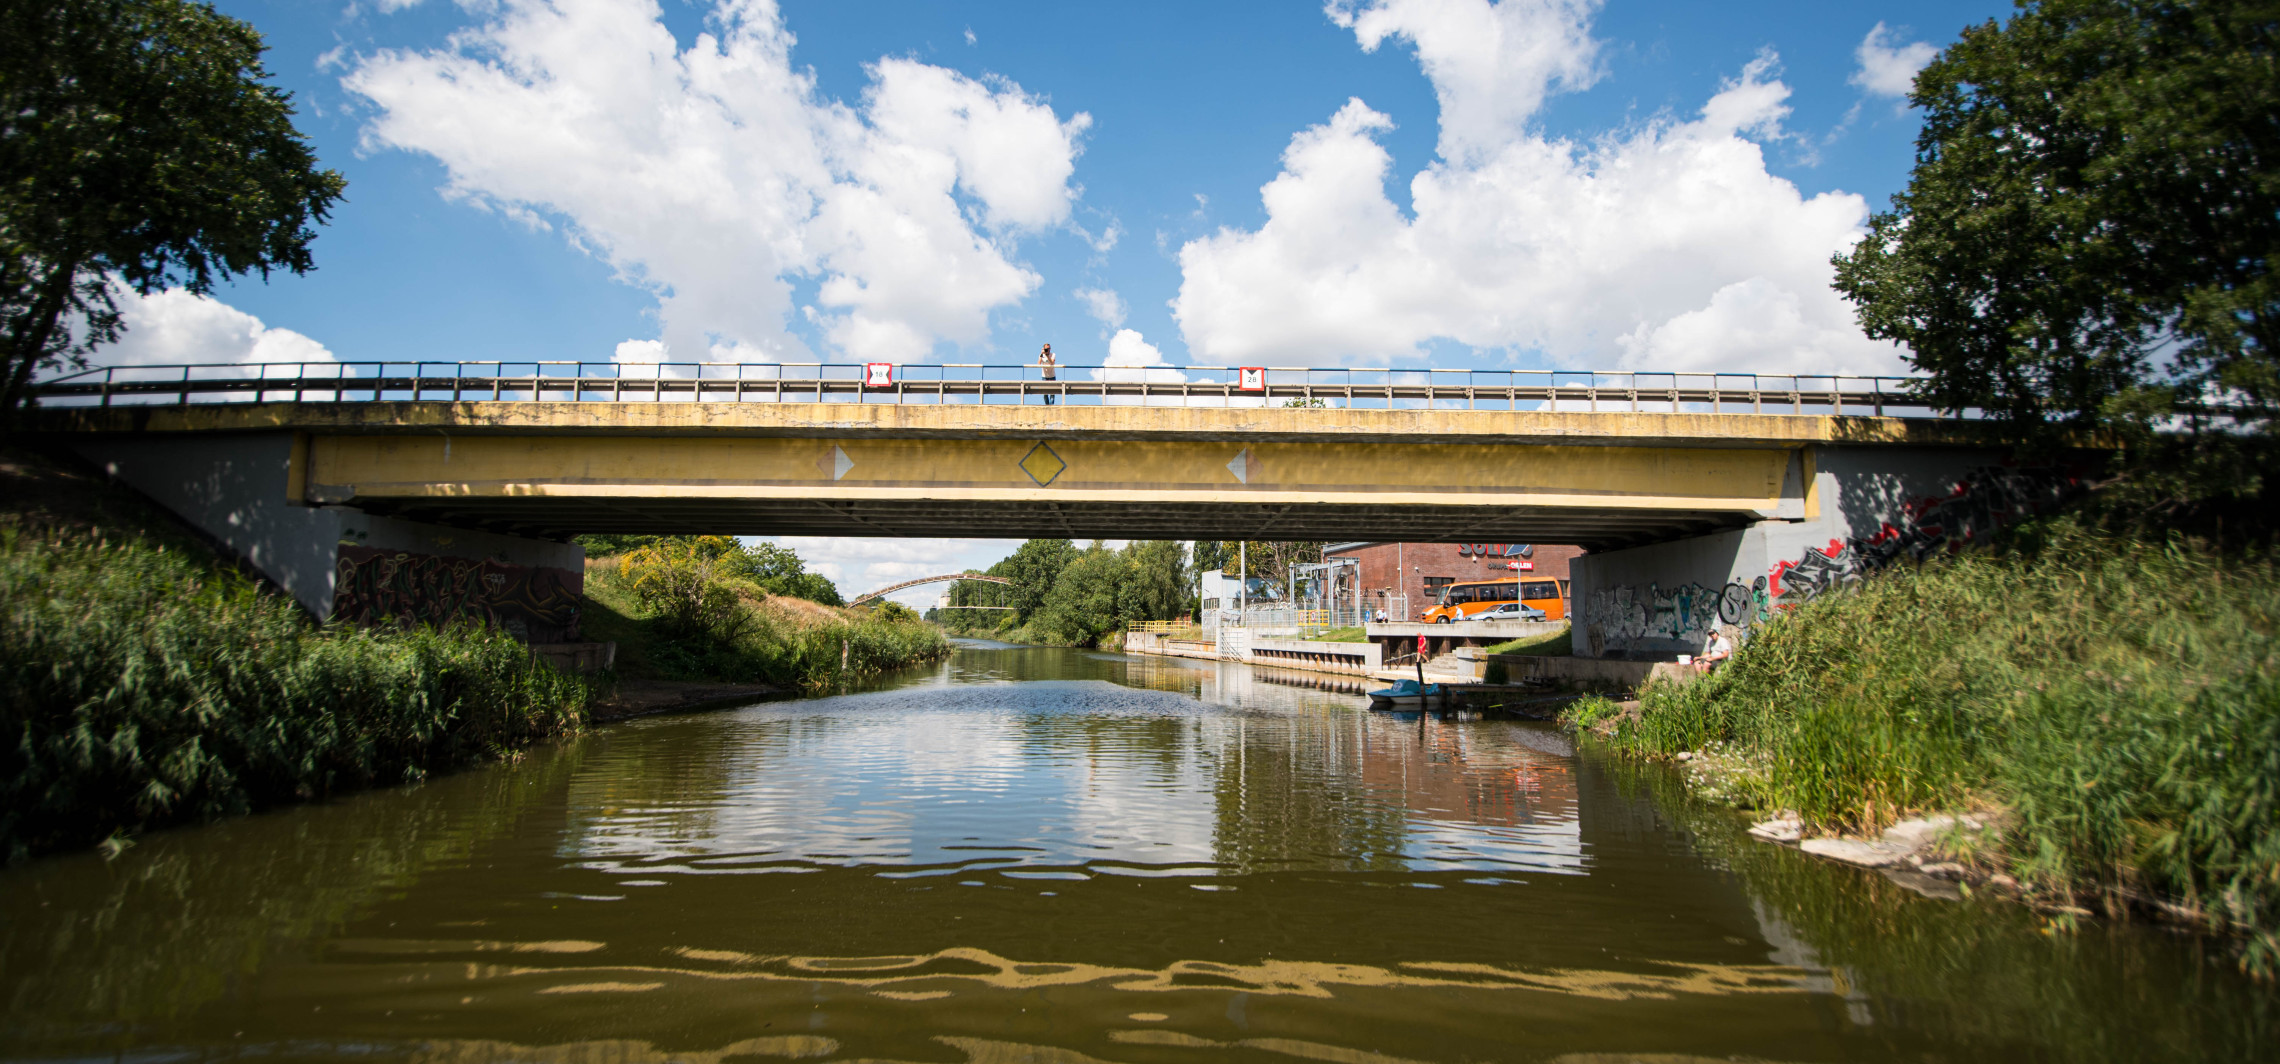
1285,617
975,383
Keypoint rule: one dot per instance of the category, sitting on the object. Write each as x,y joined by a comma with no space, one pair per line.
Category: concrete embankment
1456,655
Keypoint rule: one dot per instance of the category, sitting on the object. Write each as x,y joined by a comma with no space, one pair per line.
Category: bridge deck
868,469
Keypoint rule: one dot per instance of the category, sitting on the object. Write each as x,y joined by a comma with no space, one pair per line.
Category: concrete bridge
310,469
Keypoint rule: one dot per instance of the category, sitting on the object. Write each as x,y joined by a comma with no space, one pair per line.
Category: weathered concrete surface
1863,508
241,489
552,469
1591,672
1309,655
966,420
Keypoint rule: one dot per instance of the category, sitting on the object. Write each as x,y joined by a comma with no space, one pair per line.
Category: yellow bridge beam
1101,471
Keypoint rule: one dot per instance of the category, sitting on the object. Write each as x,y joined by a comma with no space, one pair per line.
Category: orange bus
1466,598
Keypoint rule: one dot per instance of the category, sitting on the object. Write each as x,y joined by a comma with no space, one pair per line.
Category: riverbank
146,681
2107,706
769,644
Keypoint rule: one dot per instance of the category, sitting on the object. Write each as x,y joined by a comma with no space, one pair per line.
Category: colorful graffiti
1989,498
1622,618
536,605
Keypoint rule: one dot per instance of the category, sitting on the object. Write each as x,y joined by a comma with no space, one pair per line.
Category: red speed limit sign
878,374
1251,379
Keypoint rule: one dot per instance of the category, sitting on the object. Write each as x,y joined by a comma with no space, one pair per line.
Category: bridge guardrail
1340,387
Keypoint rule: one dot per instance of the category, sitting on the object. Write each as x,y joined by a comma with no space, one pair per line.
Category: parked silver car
1510,611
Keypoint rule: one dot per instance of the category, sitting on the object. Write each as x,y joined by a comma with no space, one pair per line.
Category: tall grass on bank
2119,698
144,684
761,638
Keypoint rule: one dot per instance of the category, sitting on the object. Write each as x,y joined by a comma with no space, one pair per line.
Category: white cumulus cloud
1887,69
1491,64
716,177
177,327
1103,304
1664,246
1133,360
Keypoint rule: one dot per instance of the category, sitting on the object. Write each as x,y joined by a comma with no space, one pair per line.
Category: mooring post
1421,707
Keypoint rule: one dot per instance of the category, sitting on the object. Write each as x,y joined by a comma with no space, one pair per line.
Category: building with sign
1405,579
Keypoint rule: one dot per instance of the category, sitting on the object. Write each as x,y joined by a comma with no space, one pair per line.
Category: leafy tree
776,570
1156,581
2087,239
610,545
1086,601
1033,567
138,142
683,582
890,610
1270,561
781,572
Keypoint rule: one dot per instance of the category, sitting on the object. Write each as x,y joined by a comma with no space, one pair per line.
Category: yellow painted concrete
966,421
347,467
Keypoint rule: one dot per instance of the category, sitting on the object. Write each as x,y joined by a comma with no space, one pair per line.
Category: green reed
2116,698
145,684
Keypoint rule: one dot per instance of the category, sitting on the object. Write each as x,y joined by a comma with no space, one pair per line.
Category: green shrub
143,685
683,584
2117,696
1589,710
767,640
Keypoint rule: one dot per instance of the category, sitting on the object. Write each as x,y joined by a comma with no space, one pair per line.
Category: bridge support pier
1867,507
245,490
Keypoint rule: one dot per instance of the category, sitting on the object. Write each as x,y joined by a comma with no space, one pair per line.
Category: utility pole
1243,580
1401,580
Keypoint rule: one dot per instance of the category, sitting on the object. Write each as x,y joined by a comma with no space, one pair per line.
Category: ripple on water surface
1030,854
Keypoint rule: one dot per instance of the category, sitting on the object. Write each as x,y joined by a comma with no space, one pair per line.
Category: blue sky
1535,183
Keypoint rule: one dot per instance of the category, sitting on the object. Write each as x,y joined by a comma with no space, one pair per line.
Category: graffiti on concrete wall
536,605
1622,618
1988,499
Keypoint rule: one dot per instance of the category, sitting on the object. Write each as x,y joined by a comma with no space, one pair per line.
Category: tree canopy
776,570
140,145
2086,241
1065,594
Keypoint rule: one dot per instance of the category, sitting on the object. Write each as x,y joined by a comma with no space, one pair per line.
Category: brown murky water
1056,856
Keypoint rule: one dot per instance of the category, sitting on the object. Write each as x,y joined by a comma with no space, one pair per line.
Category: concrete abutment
339,562
1868,507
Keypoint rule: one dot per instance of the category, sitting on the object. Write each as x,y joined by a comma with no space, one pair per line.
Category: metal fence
974,383
1284,617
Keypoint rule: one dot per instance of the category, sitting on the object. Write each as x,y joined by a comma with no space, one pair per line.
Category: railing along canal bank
976,383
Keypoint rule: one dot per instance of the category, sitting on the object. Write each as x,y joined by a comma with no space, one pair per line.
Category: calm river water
1059,856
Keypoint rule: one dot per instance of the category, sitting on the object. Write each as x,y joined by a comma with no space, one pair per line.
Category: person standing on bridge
1045,370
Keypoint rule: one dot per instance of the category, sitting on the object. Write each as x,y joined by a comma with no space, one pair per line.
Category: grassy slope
145,681
792,643
2118,699
1558,644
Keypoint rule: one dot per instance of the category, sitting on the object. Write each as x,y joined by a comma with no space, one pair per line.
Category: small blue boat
1406,694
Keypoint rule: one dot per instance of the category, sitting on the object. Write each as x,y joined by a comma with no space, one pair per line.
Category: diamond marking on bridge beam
1241,466
1042,464
840,463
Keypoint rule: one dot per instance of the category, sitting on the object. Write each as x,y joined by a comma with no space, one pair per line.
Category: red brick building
1433,566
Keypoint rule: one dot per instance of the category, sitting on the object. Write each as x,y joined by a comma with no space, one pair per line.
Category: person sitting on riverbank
1718,649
